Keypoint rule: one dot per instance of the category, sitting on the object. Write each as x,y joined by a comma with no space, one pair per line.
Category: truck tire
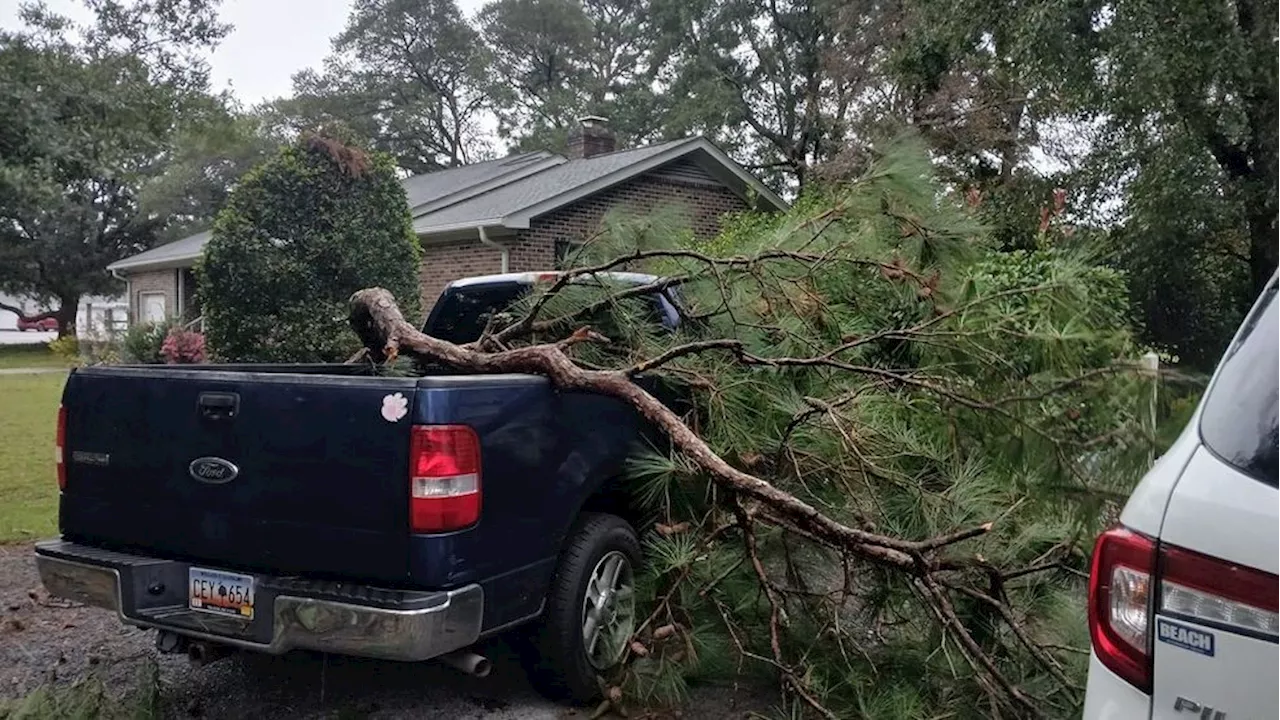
590,610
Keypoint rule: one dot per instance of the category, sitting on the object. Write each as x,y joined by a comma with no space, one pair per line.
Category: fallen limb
378,322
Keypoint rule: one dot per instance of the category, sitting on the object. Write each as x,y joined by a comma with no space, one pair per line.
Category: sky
272,40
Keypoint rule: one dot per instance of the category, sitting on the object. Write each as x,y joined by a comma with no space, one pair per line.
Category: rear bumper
290,614
1107,697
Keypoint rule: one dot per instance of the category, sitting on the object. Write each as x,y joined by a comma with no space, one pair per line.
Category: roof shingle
536,188
509,190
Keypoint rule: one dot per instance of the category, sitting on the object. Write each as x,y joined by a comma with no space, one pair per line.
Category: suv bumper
290,613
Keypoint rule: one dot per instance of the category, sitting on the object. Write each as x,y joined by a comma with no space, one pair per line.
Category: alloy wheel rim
608,610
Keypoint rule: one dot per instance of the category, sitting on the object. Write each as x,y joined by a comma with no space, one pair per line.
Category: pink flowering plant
183,347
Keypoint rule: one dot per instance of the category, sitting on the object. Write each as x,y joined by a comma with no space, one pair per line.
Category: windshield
1239,420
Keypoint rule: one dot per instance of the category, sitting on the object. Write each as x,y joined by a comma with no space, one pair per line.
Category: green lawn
28,356
28,484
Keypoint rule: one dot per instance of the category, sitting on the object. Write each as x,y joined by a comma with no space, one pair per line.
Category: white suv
1183,593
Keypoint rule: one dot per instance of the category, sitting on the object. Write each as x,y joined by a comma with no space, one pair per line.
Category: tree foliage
405,77
760,75
91,117
1185,99
905,443
1161,117
298,235
557,60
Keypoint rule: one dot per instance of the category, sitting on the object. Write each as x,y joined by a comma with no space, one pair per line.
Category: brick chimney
591,137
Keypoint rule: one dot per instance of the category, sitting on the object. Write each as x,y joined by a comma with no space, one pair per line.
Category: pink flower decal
394,407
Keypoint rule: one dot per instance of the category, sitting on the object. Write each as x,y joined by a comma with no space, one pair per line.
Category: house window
153,309
566,252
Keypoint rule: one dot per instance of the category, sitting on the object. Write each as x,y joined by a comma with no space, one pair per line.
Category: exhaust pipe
467,662
204,653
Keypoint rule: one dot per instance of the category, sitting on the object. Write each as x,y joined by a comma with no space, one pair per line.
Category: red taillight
1120,591
444,478
60,442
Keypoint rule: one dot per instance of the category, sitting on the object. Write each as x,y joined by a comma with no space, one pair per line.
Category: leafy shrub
299,235
144,341
105,353
66,348
183,346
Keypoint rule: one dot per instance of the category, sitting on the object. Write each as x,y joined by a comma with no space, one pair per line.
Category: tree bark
68,306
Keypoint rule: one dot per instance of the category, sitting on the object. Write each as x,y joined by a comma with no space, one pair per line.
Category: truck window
1239,419
464,312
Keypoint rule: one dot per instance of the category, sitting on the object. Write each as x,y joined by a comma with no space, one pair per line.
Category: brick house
520,213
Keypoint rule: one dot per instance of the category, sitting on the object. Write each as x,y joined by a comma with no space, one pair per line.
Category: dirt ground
46,639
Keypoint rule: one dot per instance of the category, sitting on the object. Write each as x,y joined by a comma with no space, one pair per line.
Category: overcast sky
271,41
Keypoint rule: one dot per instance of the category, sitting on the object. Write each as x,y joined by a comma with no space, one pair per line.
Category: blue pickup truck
336,509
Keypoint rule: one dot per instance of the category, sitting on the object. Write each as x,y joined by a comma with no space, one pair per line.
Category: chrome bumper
326,617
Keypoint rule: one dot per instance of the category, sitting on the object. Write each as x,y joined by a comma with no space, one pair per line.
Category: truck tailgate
283,471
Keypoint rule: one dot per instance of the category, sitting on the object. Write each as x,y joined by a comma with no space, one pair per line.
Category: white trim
453,227
176,261
178,282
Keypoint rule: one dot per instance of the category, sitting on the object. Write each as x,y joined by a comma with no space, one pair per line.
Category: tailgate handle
219,406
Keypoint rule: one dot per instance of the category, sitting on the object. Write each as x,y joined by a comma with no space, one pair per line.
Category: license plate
222,593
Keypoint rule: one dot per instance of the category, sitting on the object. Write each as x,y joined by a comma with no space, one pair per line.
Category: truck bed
320,487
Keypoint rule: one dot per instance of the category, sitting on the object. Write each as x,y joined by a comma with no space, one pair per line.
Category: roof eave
459,230
169,263
759,190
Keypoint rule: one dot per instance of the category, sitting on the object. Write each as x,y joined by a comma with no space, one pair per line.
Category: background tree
206,158
1184,99
298,235
756,75
90,115
405,77
554,61
1159,119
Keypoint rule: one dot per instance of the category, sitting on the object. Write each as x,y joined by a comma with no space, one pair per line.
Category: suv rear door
1214,637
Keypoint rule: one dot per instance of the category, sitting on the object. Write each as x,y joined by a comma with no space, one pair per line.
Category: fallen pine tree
906,443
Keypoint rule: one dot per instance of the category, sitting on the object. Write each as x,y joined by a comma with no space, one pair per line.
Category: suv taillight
60,443
1120,582
444,478
1215,592
1122,598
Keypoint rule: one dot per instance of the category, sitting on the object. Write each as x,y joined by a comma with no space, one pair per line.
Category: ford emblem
213,470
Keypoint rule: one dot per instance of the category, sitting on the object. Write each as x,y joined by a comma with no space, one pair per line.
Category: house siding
696,202
161,281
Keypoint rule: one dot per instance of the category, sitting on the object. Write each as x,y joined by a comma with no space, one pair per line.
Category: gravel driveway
43,638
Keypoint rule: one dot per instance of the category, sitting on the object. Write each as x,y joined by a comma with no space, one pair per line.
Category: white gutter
128,293
506,251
